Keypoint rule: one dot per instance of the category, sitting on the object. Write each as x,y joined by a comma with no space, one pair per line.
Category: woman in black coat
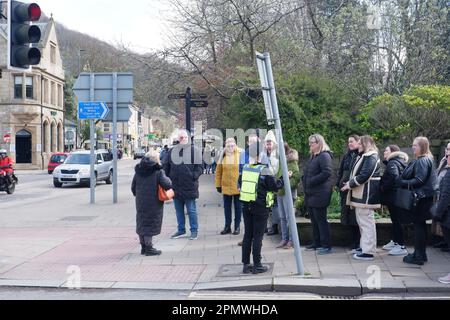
421,177
318,187
149,216
396,162
443,211
348,215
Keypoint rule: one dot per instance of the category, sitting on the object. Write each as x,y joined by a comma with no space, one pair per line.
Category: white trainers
398,250
391,245
445,280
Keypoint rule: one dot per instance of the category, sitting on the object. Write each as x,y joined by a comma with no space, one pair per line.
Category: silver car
76,170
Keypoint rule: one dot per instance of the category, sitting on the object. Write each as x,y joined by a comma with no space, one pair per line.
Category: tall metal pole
188,109
115,191
92,140
289,204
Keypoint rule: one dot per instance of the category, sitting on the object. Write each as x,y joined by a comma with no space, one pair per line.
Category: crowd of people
251,182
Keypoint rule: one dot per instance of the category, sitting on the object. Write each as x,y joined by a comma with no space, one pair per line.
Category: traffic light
22,35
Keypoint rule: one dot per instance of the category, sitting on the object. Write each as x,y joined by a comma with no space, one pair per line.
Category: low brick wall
341,237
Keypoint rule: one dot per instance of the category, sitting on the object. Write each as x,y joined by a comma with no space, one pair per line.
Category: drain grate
338,298
79,219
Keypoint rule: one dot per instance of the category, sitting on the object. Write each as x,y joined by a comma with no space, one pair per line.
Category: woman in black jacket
348,216
318,188
396,162
443,211
420,176
149,210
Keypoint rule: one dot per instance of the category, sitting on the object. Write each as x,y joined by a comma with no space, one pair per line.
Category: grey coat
443,209
149,210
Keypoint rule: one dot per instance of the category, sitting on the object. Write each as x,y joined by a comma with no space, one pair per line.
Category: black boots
237,231
248,268
259,268
149,251
226,231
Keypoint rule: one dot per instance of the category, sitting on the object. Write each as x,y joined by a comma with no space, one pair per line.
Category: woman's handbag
405,199
165,195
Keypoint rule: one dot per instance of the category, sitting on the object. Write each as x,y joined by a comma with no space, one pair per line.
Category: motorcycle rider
6,165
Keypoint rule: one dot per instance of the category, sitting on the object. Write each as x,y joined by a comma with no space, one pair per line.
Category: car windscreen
78,159
58,159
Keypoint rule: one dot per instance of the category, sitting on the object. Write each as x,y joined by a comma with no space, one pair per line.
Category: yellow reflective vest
249,186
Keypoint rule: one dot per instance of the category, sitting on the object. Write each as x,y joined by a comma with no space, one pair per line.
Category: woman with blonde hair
364,196
420,176
227,184
318,187
149,209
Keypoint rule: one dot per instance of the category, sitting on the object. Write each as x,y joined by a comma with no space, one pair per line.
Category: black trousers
255,221
321,228
420,240
397,227
446,232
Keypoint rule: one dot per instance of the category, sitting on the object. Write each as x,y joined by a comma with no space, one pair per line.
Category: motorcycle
6,184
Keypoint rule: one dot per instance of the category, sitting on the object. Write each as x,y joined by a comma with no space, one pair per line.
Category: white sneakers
395,249
445,280
398,251
391,245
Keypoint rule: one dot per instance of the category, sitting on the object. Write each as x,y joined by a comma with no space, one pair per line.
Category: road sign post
92,146
273,117
113,89
189,97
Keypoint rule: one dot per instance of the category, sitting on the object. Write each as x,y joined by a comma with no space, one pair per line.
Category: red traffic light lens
34,12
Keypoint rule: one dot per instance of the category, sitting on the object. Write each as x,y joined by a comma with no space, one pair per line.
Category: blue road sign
92,110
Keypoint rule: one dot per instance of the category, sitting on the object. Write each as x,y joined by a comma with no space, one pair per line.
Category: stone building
32,104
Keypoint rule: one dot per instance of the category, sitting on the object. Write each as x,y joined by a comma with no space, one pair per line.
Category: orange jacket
6,162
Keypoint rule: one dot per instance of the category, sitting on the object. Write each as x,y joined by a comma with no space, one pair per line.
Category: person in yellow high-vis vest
257,187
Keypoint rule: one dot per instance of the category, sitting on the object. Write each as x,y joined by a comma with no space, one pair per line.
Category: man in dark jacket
149,216
183,165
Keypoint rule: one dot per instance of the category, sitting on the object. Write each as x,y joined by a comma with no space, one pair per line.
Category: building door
23,147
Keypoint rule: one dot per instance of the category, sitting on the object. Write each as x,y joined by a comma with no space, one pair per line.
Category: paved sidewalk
100,242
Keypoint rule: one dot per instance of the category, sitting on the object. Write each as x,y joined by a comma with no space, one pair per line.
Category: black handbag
405,199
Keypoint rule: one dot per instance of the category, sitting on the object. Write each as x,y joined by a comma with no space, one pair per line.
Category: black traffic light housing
22,35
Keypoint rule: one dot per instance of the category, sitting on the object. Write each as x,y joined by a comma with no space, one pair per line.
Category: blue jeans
227,203
191,207
286,235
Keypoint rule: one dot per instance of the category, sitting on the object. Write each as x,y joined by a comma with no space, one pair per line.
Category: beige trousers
367,226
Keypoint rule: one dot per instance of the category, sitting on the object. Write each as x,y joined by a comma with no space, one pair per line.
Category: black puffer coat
395,165
184,166
149,209
317,181
443,209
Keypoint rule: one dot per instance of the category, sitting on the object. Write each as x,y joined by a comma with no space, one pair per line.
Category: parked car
76,170
56,160
139,154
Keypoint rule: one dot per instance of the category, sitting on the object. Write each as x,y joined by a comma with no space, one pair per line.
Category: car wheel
57,184
110,178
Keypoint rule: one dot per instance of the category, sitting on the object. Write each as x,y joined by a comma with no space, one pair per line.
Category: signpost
105,91
273,117
190,103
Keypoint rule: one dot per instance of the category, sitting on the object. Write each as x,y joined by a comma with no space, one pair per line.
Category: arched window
46,137
53,137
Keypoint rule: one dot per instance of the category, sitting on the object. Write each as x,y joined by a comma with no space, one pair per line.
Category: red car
56,160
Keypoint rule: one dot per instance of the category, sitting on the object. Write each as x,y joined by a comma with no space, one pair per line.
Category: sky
135,23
